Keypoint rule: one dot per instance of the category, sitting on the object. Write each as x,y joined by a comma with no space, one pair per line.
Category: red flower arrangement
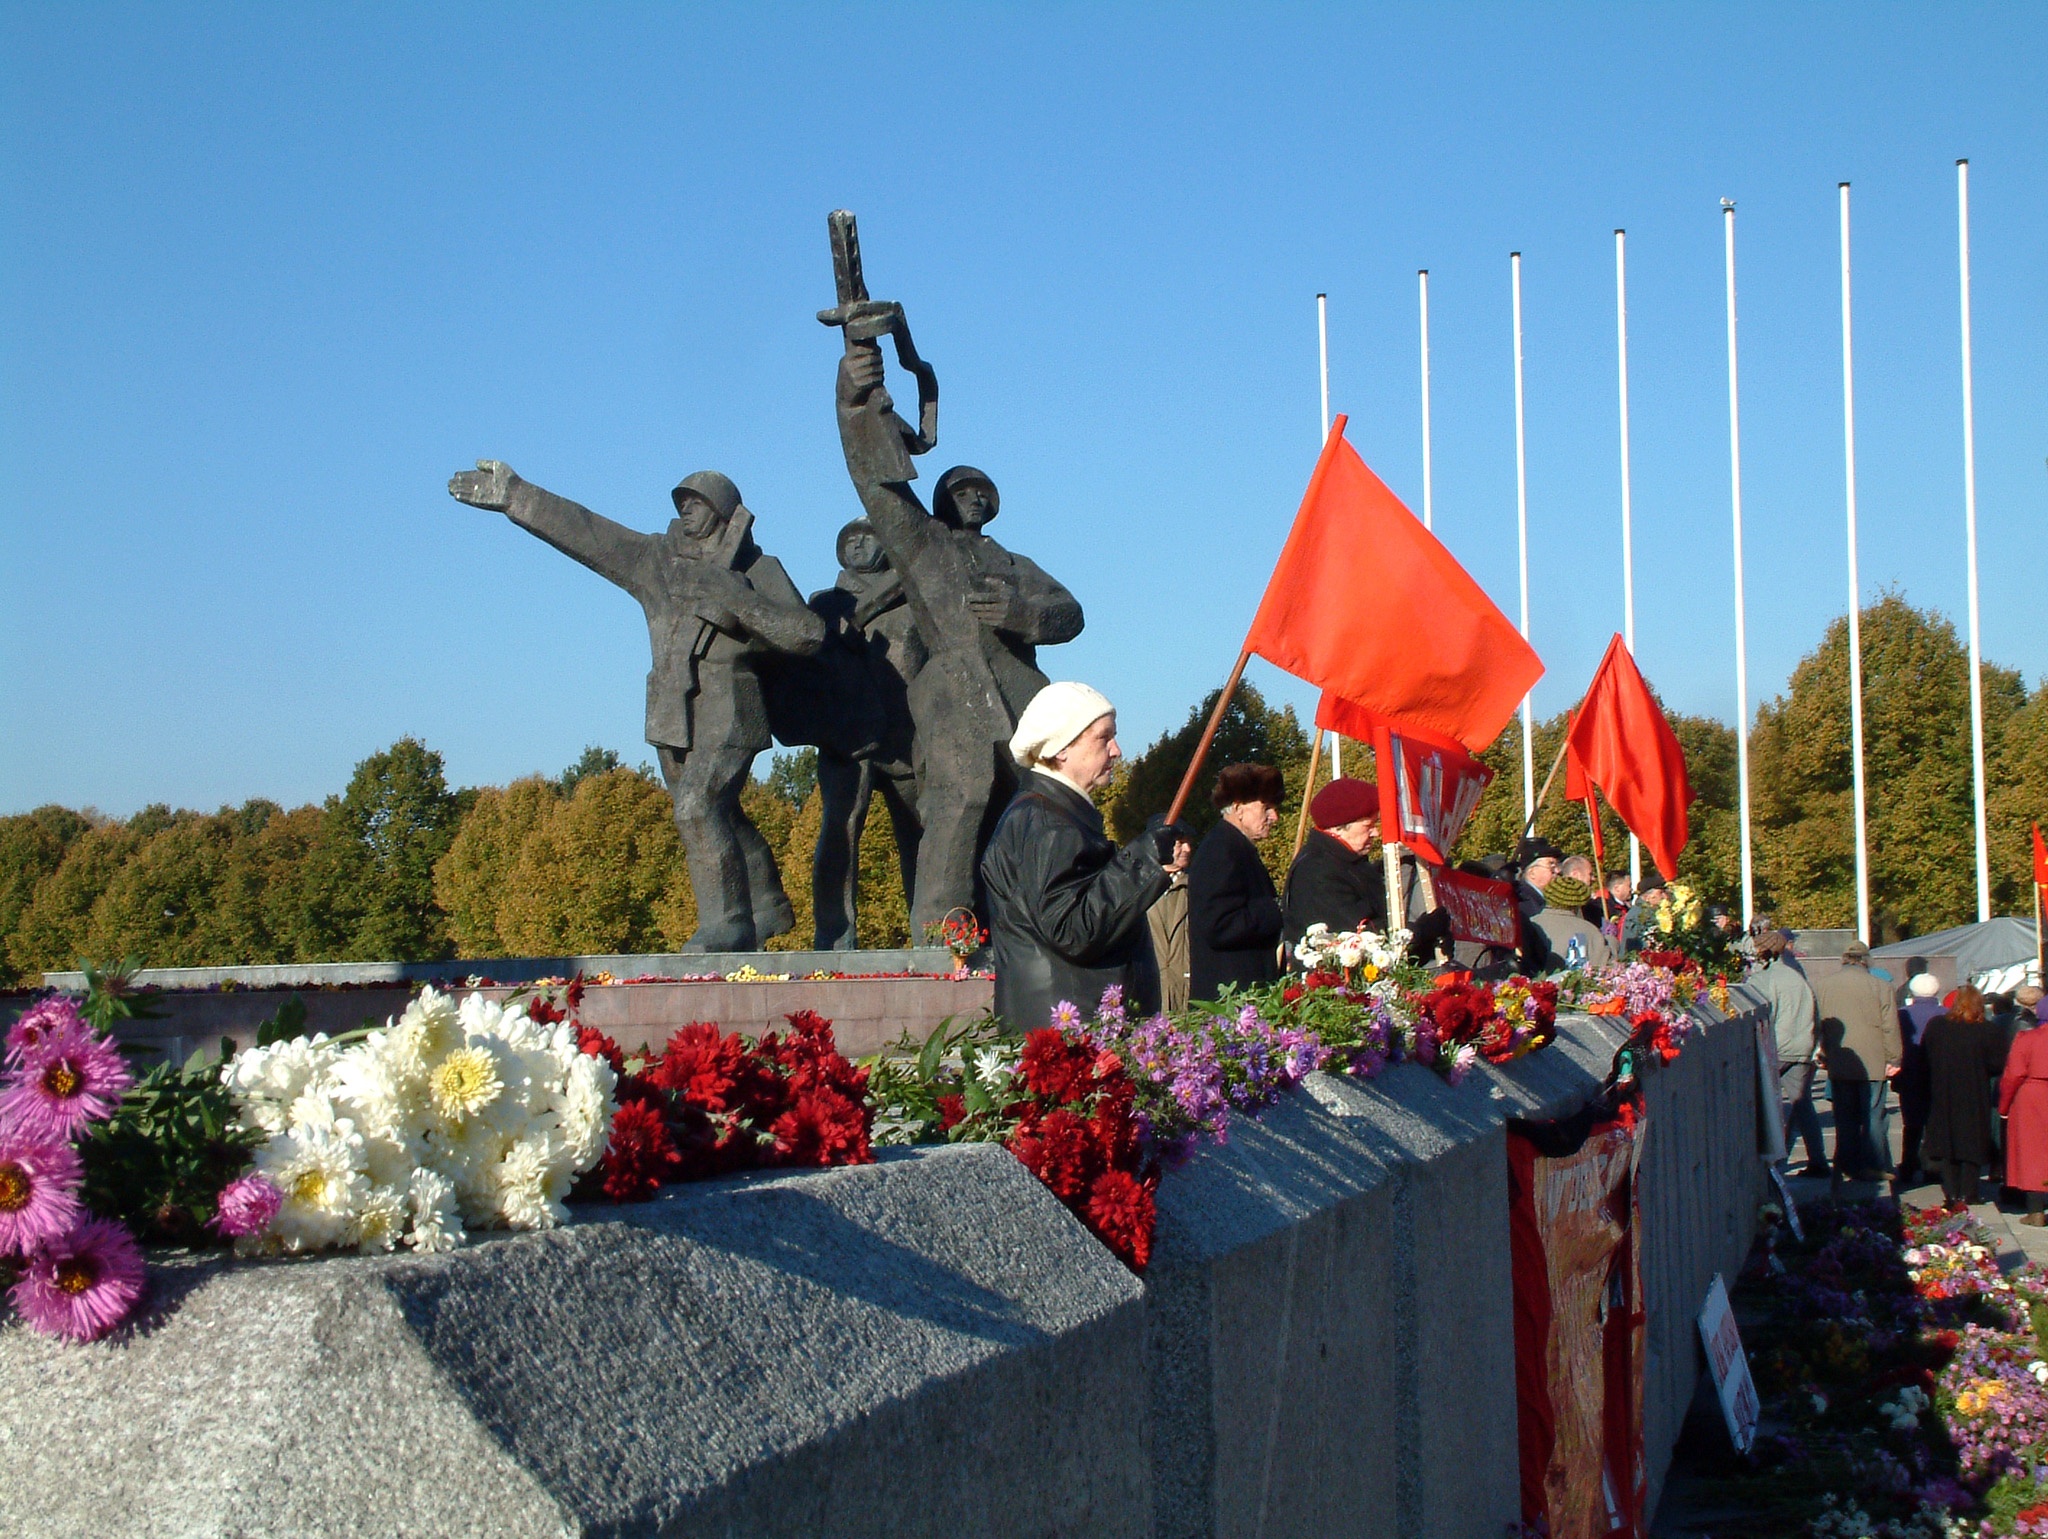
1078,1132
713,1103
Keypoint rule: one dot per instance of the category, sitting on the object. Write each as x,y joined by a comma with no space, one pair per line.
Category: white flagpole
1628,549
1522,536
1741,627
1428,519
1323,352
1970,525
1855,594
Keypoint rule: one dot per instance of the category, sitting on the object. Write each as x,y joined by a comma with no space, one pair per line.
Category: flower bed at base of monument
466,1115
1903,1379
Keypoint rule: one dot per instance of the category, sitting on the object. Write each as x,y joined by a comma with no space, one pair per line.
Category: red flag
1367,605
1620,742
2040,859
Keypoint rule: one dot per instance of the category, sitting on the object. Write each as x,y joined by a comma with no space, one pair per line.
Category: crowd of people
1171,918
1969,1073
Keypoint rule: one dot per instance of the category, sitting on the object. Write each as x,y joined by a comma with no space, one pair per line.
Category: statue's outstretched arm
891,506
772,611
611,550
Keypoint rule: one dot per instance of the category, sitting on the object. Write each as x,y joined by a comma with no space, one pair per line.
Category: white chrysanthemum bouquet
447,1119
1346,951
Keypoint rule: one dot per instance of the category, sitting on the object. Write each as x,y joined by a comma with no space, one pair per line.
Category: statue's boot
722,936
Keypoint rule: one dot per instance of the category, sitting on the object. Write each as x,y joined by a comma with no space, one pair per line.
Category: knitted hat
1057,715
1344,801
1923,985
1566,892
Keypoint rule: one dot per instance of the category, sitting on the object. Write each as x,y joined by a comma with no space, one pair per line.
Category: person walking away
1066,906
1234,918
1922,1005
1168,919
1964,1052
2023,1102
1859,1029
1338,879
1570,942
1794,1026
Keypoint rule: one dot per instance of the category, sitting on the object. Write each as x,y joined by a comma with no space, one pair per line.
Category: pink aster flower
83,1285
1066,1016
71,1077
38,1191
45,1016
246,1207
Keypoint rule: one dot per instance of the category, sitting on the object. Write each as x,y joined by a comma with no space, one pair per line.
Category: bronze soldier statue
982,611
716,608
870,619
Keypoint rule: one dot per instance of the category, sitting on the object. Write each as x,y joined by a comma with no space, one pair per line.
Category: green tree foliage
372,876
592,761
601,872
793,776
51,932
473,880
1920,797
2016,799
32,847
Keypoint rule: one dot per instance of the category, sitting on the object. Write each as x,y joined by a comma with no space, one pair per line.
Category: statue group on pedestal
907,675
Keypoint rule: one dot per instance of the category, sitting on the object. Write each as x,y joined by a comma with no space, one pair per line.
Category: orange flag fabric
1620,742
2040,859
1365,604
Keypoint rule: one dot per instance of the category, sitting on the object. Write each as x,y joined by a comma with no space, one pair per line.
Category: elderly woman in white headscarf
1066,906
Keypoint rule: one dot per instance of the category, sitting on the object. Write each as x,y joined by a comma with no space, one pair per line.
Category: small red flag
1365,604
2040,859
1620,742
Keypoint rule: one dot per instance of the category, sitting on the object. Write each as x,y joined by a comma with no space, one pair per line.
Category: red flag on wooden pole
1620,742
2040,860
1368,605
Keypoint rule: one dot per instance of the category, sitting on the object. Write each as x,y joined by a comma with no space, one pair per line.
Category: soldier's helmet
959,475
714,488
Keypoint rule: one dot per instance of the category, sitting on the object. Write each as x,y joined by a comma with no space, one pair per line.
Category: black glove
1166,835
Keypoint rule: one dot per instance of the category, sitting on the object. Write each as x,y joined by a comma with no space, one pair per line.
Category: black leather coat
1067,907
1234,915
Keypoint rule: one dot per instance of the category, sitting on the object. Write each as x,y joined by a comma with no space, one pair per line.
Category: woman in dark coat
1234,917
1066,906
1964,1054
1337,880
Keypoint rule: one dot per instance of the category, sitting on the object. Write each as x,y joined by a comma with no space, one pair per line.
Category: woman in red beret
1337,879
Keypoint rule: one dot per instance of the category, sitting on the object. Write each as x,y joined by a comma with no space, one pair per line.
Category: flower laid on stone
39,1178
246,1207
452,1117
79,1276
712,1103
82,1285
66,1076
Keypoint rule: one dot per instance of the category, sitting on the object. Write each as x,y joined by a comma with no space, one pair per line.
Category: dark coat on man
1234,918
1067,907
1963,1057
1330,884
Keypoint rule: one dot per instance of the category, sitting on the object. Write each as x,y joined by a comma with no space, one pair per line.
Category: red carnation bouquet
1079,1132
713,1103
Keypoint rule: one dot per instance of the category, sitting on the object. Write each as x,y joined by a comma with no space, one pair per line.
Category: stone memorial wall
1323,1344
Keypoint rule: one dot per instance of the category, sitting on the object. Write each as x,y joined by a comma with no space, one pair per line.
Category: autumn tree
371,879
601,872
474,879
32,847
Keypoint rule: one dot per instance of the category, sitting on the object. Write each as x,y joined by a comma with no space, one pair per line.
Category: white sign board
1729,1365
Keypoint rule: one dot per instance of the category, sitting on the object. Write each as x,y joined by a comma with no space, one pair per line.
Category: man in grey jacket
1794,1024
1859,1029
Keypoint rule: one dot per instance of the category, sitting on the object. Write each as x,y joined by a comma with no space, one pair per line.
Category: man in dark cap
715,606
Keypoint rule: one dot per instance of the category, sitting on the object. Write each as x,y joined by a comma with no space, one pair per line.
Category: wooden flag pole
1544,795
1308,791
1187,781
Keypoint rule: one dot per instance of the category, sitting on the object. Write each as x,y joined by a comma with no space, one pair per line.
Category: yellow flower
464,1083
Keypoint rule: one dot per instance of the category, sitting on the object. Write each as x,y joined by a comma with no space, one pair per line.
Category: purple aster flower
46,1015
83,1285
246,1207
38,1191
1066,1015
71,1077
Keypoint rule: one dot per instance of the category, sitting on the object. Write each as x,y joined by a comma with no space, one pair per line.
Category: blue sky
268,275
